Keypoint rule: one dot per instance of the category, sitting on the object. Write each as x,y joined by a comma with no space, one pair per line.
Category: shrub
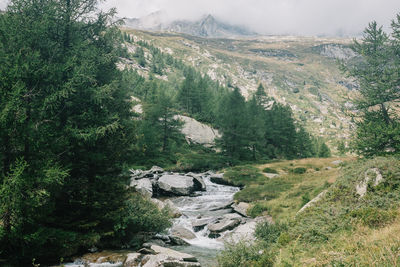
305,199
244,254
270,170
374,217
299,170
140,216
257,209
269,233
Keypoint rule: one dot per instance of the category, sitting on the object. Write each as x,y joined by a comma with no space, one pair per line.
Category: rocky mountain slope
302,72
207,26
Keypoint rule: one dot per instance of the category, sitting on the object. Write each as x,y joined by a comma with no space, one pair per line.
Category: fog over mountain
299,17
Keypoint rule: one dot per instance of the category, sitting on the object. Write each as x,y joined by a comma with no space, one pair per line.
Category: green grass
342,229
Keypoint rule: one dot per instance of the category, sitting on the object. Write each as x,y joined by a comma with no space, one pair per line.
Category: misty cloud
301,17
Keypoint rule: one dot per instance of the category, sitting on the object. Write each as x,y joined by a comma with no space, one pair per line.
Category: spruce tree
65,128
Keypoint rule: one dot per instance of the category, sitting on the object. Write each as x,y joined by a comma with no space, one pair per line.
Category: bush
270,170
269,233
299,170
374,217
141,216
257,209
245,254
305,199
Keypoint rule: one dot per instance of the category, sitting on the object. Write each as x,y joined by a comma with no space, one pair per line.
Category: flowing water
208,204
205,205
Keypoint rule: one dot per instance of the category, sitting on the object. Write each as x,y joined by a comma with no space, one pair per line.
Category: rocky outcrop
374,175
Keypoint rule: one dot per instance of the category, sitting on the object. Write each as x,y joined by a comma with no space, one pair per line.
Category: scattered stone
337,162
271,175
233,216
182,232
241,208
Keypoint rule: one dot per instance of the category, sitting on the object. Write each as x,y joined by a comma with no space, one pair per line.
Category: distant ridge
207,26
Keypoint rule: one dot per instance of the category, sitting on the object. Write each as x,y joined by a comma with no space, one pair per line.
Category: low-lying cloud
300,17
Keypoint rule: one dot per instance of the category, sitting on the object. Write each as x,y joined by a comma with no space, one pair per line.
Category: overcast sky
301,17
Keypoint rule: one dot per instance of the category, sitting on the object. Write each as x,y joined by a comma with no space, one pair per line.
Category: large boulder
178,185
132,259
197,132
174,254
156,169
143,186
218,178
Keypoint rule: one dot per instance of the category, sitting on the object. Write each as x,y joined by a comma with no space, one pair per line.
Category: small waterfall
205,205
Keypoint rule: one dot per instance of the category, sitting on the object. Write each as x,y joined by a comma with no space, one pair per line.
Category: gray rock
199,225
223,225
147,250
337,162
174,254
132,259
241,208
313,201
182,232
233,216
156,169
174,211
199,183
271,175
177,241
374,175
176,185
143,186
197,132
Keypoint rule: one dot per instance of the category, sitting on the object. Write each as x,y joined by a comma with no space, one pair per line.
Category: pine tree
233,123
377,74
65,128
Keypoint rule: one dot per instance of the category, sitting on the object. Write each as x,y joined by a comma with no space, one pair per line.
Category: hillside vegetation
343,228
